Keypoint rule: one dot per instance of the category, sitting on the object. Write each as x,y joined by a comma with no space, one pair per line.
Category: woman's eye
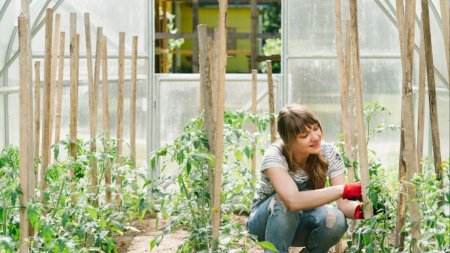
316,127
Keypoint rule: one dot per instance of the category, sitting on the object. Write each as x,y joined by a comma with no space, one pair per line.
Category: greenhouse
225,126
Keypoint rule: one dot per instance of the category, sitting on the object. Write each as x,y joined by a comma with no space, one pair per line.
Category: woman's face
308,142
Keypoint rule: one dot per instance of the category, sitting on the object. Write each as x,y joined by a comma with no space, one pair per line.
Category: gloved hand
359,211
352,191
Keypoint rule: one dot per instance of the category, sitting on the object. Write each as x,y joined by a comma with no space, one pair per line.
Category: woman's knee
332,223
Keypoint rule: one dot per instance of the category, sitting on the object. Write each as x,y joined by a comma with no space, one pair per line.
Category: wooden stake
25,121
401,207
344,87
74,70
362,145
60,87
409,152
106,116
222,64
46,106
133,99
53,75
351,102
254,105
273,131
120,113
432,92
93,114
207,96
37,112
421,103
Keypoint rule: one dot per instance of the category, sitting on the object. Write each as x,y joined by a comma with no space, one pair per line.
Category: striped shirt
274,158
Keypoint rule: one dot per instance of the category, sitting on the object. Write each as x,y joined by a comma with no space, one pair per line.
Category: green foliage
188,204
59,224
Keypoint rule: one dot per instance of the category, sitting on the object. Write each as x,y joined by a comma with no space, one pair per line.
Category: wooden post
362,145
37,112
46,105
221,66
207,96
120,113
254,105
74,70
60,88
213,72
273,130
53,75
133,99
26,157
253,33
106,116
432,92
409,152
421,103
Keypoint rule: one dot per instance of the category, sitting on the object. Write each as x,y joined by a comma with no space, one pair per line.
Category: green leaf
267,245
92,212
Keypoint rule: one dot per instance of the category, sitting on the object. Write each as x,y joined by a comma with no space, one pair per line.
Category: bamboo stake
60,88
401,208
254,105
273,131
37,111
133,99
362,145
93,115
207,96
120,113
53,74
432,92
25,118
106,116
421,103
445,17
45,149
221,66
409,152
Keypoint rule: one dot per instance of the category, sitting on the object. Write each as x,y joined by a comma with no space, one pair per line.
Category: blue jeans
317,230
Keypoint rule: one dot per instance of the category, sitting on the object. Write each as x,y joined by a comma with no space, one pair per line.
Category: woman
290,206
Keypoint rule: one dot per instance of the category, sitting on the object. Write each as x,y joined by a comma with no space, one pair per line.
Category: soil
138,242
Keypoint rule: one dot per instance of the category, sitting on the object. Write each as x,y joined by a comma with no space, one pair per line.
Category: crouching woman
290,207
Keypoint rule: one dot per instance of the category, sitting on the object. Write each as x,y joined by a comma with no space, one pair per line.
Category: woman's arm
296,200
345,205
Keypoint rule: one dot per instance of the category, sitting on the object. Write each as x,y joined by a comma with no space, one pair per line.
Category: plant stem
59,197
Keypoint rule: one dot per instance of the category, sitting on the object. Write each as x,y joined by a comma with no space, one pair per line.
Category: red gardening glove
352,191
359,211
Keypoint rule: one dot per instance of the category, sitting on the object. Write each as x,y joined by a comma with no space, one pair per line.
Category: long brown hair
293,119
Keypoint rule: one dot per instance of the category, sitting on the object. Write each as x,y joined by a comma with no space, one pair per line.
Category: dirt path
138,242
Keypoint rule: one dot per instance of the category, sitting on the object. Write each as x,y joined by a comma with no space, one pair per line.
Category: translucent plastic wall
114,16
310,67
179,99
